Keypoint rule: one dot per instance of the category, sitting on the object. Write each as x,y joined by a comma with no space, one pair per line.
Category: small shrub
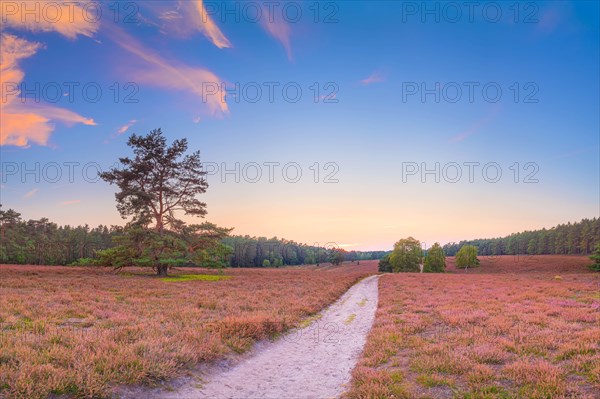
194,277
84,262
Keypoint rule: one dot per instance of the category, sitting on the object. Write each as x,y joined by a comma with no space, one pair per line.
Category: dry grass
506,330
80,332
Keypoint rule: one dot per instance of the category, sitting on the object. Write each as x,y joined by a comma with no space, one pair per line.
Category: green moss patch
192,277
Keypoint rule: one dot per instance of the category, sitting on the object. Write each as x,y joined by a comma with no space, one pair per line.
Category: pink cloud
159,72
208,27
375,77
23,123
273,24
188,17
31,193
126,126
69,18
476,126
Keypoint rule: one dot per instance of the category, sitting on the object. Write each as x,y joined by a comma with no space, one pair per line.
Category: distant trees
435,261
596,258
206,245
467,257
155,186
406,255
336,256
252,251
38,242
572,238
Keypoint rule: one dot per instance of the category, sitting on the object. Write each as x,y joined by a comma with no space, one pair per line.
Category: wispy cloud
31,193
159,72
69,18
549,20
23,123
375,77
207,26
125,127
185,17
63,115
476,126
274,24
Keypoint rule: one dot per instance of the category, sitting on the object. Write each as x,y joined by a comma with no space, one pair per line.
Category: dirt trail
311,362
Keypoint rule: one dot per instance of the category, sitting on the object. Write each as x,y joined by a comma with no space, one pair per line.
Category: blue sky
370,55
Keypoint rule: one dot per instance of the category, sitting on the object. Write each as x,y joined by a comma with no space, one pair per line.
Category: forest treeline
253,251
565,239
44,242
41,242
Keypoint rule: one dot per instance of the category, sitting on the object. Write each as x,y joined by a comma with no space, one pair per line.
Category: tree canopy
156,188
336,256
578,238
158,182
435,261
407,255
467,257
384,264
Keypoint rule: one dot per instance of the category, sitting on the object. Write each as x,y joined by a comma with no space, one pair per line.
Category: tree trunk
161,270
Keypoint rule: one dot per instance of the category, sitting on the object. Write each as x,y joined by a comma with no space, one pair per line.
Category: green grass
430,380
307,321
489,392
193,277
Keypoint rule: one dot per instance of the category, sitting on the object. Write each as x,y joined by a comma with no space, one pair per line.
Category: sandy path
312,362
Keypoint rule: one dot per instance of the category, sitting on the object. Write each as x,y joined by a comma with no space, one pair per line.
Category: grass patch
350,319
308,321
433,380
195,277
489,392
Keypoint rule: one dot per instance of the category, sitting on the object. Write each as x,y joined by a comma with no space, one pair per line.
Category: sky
355,123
